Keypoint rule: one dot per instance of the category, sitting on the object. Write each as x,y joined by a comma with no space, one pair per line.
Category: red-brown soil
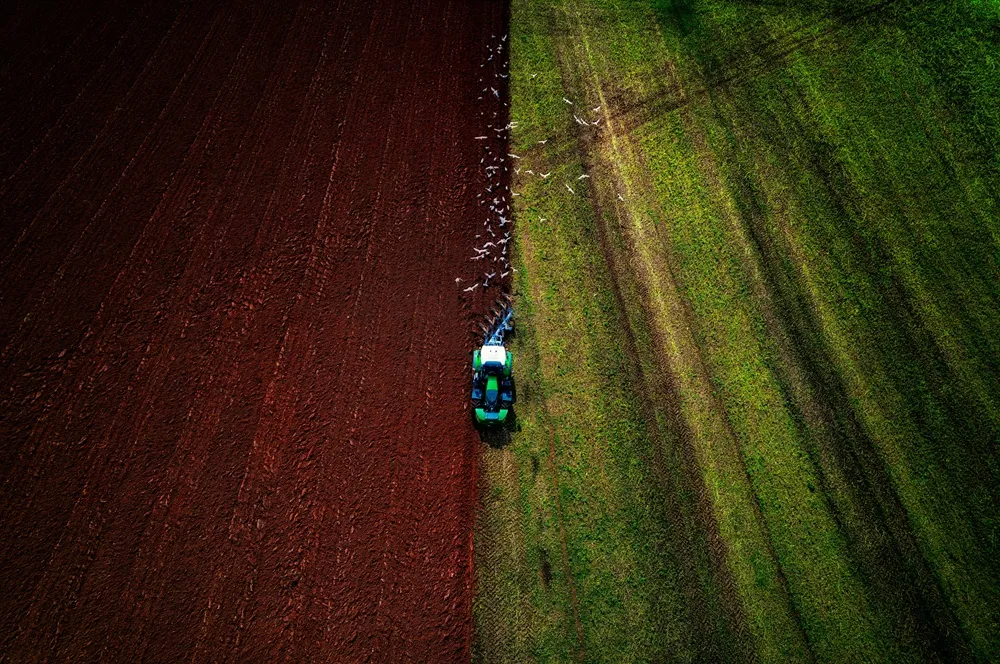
233,355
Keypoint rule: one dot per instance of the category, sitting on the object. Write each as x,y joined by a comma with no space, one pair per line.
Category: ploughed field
232,353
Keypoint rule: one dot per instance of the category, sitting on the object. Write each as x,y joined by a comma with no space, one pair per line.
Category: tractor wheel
512,423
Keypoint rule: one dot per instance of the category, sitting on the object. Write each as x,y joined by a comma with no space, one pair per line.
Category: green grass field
759,344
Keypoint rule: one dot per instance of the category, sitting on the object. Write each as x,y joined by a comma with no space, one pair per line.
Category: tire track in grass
753,62
852,479
720,621
679,355
711,596
687,524
668,395
545,424
886,643
646,622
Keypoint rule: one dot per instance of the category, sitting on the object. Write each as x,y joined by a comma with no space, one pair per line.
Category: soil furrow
259,395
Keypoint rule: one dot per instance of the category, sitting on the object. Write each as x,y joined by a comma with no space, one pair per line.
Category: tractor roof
489,354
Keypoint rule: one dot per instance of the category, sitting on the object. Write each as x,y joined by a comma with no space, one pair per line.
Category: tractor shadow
499,437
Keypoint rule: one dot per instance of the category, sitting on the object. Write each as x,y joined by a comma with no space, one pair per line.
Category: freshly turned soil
233,354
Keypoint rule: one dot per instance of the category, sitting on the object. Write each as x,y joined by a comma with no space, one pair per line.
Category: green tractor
493,389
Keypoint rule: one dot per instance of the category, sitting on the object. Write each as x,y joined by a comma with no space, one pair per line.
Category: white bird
596,109
482,251
545,175
458,279
511,154
489,244
620,198
504,274
517,170
567,101
530,171
570,189
583,176
472,287
542,219
481,138
479,257
534,75
543,142
491,275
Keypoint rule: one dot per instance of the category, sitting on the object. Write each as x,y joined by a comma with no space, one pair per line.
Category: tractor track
231,344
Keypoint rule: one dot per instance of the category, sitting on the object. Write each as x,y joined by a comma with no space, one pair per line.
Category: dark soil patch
233,358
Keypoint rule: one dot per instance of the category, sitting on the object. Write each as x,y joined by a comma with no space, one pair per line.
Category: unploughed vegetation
759,345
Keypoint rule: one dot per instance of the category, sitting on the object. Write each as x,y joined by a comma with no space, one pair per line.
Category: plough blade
500,323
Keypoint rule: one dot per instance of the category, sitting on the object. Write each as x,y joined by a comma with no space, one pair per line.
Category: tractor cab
493,391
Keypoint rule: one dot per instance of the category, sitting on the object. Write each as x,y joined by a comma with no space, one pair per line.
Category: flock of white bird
496,196
580,121
495,235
